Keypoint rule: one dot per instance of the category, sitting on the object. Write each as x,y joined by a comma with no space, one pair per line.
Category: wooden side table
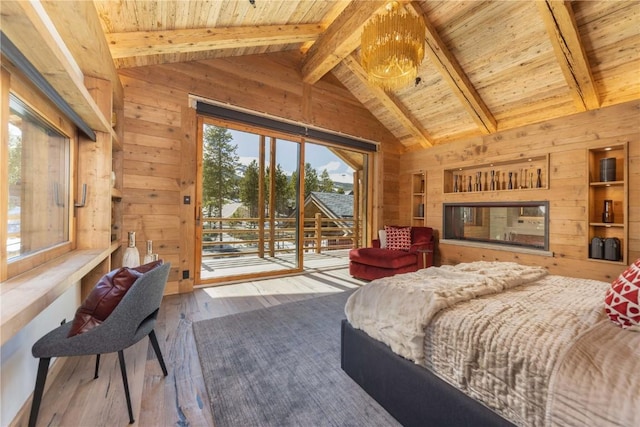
424,253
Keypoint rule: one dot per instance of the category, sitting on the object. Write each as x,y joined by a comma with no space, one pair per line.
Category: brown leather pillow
106,296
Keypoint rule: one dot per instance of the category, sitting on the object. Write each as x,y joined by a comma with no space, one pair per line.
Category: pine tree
326,184
219,165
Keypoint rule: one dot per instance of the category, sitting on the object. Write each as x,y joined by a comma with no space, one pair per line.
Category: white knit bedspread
535,348
502,349
396,310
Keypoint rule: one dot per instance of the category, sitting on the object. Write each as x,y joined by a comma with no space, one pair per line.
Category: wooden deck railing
246,236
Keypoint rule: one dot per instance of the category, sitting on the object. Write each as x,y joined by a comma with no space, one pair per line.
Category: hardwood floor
74,398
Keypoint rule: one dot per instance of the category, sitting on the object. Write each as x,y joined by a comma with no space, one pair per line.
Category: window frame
14,83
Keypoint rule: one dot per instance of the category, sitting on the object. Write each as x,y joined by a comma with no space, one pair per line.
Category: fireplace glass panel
521,224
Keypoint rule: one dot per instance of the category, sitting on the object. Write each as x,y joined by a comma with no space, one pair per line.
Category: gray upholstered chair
133,319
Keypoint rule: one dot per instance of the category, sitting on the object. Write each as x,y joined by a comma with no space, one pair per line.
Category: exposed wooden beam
452,72
563,31
143,43
79,26
28,26
339,40
391,103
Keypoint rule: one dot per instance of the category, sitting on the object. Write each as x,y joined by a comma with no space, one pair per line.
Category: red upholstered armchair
376,262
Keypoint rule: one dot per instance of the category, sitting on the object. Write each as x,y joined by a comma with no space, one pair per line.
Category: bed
492,344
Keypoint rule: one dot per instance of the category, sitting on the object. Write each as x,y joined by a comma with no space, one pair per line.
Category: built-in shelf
523,174
607,182
418,191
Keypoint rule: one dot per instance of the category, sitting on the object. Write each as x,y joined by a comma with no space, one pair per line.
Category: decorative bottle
479,181
607,214
469,188
510,185
131,257
493,180
148,257
539,179
455,183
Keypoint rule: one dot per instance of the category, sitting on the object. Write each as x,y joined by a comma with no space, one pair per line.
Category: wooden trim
339,40
31,30
198,201
563,32
5,79
133,44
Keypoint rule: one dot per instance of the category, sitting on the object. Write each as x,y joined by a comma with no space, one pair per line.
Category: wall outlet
185,274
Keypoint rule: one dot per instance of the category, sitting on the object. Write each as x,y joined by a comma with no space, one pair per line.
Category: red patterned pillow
105,297
621,301
398,238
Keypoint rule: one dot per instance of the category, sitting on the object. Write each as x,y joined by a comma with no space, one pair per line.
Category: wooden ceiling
489,65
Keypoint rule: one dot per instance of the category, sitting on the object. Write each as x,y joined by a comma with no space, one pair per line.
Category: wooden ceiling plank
31,30
143,43
561,26
340,39
391,103
452,72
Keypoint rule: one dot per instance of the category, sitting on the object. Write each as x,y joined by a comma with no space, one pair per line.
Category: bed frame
410,393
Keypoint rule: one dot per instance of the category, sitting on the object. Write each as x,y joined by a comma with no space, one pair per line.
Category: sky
318,156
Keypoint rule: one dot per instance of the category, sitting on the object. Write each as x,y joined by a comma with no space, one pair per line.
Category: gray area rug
280,366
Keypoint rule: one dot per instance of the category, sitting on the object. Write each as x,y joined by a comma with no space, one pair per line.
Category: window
37,182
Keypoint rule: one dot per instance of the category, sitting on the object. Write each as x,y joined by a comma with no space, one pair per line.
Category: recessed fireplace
510,224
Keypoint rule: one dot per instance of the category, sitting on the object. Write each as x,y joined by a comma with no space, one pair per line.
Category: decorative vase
539,179
148,257
607,214
131,257
510,185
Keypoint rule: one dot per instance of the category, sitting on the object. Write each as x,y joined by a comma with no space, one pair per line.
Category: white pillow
382,236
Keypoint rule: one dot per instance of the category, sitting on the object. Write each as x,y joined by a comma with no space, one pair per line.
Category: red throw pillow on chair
106,295
398,238
622,298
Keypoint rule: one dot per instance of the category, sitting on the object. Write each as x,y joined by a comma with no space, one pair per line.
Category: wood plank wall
566,141
159,140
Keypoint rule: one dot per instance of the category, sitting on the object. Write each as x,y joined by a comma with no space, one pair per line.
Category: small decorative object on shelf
607,213
149,256
131,257
493,180
469,189
510,185
539,179
421,210
455,183
608,169
479,181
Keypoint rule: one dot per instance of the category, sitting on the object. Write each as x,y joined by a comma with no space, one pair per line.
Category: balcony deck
214,268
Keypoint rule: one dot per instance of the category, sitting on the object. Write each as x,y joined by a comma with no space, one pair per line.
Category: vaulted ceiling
489,65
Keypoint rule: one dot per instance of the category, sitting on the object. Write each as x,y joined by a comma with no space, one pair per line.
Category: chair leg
156,348
123,368
95,375
43,369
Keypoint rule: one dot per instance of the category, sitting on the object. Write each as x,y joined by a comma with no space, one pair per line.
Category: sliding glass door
269,202
249,198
